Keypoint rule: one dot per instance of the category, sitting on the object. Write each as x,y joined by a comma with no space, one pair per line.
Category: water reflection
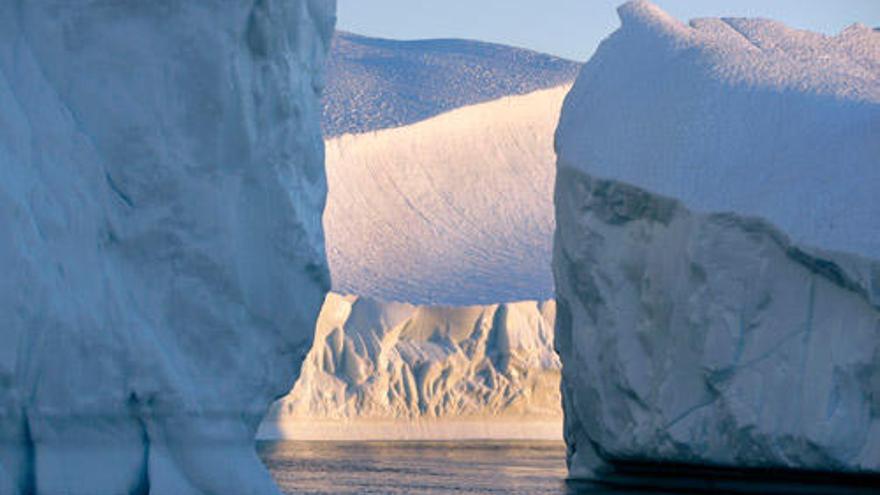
509,467
417,467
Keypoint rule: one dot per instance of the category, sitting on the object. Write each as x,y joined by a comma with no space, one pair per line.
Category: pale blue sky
573,28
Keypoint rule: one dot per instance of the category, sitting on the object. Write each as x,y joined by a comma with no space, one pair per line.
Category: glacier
161,190
717,248
387,370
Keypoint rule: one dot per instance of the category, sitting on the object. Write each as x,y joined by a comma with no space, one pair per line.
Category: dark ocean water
507,467
510,467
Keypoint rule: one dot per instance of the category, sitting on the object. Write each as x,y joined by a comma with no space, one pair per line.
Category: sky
573,28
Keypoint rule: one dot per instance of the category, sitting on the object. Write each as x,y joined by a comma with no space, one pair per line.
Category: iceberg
717,249
455,210
376,83
161,191
439,239
387,370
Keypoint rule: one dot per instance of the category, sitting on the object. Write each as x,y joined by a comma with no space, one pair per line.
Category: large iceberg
452,217
161,190
453,210
717,252
381,370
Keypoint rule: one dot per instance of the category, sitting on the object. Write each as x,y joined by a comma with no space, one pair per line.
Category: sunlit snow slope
379,83
453,210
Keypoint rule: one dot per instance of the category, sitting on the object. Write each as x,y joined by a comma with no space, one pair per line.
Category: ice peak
763,52
734,97
644,15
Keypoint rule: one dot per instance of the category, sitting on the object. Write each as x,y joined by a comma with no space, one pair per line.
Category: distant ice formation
717,253
375,83
161,189
454,210
382,370
452,215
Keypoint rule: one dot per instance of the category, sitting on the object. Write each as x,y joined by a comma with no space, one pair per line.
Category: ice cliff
161,189
385,370
717,252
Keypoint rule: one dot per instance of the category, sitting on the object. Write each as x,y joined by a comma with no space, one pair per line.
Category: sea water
471,467
507,467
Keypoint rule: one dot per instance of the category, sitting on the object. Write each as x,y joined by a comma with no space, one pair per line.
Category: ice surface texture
741,115
453,210
377,83
705,174
161,189
379,361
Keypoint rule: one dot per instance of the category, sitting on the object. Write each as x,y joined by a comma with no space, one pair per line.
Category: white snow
376,83
743,115
384,370
161,189
453,210
705,172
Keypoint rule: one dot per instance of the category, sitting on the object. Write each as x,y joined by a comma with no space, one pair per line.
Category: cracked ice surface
749,338
161,189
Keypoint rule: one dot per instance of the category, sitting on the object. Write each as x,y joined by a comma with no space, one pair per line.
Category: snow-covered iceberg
453,210
161,190
376,83
383,370
717,252
454,216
